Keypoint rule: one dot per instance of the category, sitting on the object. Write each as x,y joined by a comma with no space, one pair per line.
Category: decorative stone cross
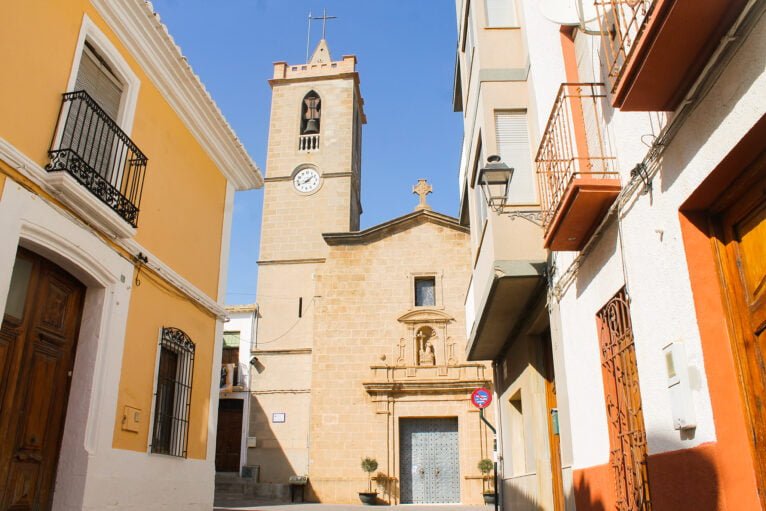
422,189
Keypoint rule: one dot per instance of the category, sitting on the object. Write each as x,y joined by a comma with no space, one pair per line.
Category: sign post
481,398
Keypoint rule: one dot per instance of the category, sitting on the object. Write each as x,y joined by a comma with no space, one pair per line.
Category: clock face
307,180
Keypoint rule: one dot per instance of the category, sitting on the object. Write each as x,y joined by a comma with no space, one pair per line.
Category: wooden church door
37,347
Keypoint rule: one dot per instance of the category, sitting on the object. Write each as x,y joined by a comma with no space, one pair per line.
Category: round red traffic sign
481,398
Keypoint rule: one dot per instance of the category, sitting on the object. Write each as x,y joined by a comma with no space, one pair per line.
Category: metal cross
324,17
422,189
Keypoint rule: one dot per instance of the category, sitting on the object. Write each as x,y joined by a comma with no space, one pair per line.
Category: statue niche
424,342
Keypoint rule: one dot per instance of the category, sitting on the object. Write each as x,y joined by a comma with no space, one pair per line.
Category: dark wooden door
229,436
37,347
742,250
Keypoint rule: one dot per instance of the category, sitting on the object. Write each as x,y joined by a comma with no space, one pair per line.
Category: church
361,335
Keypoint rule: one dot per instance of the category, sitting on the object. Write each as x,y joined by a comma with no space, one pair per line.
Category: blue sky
406,55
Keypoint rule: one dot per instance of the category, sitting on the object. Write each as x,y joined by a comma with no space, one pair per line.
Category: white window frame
123,72
514,9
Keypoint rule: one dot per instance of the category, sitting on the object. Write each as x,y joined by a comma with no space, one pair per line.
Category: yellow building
117,176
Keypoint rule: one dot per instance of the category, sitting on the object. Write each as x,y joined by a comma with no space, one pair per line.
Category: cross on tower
324,17
422,189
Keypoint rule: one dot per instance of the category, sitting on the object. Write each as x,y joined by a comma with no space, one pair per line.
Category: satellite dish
570,12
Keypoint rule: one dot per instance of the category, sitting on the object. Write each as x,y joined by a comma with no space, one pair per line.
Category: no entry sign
481,398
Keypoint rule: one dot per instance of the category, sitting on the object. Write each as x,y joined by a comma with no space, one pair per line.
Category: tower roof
321,53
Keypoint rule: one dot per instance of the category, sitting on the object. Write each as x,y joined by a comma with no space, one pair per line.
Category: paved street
338,507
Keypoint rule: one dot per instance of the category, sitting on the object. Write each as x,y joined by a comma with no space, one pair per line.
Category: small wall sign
278,417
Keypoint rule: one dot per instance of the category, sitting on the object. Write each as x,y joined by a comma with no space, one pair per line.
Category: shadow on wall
274,464
679,480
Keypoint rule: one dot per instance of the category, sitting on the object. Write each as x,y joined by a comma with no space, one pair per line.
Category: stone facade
341,346
368,370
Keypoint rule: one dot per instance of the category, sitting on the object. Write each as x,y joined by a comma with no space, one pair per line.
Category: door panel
36,354
430,461
740,226
229,436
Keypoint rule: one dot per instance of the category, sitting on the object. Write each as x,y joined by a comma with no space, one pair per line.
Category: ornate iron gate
627,434
430,463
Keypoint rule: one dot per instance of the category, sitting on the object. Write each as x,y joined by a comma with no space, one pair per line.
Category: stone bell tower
312,186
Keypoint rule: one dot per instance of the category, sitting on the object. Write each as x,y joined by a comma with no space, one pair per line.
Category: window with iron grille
172,398
627,433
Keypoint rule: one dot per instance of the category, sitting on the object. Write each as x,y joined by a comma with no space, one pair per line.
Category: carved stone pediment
425,315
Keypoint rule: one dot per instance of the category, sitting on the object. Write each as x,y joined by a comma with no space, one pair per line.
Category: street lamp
495,178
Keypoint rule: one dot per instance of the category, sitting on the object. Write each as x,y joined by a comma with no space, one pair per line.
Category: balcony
102,159
308,143
575,167
655,49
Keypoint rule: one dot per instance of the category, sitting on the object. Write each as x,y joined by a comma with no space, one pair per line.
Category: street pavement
265,506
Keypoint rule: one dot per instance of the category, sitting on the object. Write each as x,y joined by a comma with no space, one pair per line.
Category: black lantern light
494,178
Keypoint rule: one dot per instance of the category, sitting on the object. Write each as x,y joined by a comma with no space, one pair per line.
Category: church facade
360,348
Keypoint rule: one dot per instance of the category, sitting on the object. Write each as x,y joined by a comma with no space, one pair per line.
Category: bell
312,127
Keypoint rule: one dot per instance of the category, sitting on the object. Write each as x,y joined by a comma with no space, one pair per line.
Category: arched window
311,111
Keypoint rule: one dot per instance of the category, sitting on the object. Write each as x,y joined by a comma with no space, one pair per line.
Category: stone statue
427,356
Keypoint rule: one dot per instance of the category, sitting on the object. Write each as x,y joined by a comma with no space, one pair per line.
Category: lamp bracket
531,215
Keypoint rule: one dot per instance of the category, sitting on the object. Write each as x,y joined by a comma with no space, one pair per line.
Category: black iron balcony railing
99,155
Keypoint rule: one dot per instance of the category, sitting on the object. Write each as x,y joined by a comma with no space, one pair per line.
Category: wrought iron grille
627,434
574,144
172,398
621,25
99,155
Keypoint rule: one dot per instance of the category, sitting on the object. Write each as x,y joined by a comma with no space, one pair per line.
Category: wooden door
554,438
37,347
229,435
741,246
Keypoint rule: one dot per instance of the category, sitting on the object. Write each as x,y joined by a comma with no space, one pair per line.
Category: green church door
430,461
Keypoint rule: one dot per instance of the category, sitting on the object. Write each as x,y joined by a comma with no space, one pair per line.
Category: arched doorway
38,339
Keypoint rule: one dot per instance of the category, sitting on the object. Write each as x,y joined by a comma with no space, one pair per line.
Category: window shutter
501,13
97,80
513,146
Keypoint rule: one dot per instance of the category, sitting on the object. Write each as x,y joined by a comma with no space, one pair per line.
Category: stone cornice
425,316
140,30
266,262
393,226
424,386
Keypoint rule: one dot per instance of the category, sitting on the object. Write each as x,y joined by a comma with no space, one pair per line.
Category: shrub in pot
485,466
369,465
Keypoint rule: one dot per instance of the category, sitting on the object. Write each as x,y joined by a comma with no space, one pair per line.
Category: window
311,114
501,13
172,398
425,292
627,432
513,146
469,43
481,203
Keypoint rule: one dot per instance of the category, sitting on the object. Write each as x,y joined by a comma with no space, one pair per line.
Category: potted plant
485,467
369,465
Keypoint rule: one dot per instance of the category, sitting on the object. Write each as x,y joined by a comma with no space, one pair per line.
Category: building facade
505,303
117,176
390,379
649,158
348,363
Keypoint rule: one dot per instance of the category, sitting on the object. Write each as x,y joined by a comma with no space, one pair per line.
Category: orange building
117,178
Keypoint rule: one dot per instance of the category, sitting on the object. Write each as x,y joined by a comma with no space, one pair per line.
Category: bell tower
312,186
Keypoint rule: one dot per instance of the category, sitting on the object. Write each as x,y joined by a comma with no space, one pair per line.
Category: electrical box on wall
251,441
677,369
131,419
